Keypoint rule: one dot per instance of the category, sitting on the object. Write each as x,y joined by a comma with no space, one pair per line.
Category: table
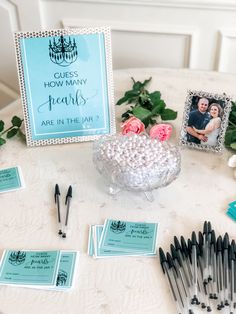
114,285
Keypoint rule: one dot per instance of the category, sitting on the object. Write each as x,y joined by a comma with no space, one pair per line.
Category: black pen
205,252
179,267
171,281
193,247
67,202
219,262
232,270
184,249
226,268
57,201
213,264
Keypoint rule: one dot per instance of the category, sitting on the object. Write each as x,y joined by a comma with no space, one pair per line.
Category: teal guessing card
100,252
10,179
29,268
129,236
66,84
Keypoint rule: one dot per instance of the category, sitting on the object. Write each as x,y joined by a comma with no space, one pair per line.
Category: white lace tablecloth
132,285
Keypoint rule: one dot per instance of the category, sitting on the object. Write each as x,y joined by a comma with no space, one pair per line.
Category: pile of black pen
201,272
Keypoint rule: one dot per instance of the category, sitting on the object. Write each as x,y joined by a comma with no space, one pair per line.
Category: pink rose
133,125
161,131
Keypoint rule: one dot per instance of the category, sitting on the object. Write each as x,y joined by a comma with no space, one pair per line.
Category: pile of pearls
136,162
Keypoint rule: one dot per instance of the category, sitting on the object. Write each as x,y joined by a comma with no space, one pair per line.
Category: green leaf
132,93
144,105
146,121
146,81
129,97
126,113
155,97
16,121
139,85
122,100
12,132
1,125
2,141
159,107
132,100
233,145
141,113
168,114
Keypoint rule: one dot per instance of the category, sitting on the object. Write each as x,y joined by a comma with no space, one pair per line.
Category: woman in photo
212,128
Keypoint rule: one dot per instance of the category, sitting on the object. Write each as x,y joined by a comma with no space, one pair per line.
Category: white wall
195,34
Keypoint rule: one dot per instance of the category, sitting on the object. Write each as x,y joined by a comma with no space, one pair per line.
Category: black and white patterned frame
223,98
58,32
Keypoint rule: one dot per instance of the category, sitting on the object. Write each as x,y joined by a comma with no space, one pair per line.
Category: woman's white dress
212,136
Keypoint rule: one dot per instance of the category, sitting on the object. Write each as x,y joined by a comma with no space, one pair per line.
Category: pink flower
161,131
133,125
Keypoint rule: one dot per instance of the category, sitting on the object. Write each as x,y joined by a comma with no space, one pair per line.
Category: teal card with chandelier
97,251
127,236
66,84
39,268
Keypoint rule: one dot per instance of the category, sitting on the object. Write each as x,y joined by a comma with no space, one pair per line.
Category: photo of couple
204,122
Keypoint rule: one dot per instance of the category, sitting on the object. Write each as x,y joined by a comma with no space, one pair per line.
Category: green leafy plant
13,130
144,105
230,135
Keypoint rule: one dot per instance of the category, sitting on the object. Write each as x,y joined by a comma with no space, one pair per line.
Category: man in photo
212,129
198,120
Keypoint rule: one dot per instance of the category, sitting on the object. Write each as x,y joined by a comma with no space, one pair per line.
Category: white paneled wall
195,34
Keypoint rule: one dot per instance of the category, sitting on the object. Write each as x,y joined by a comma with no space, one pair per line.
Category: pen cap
169,260
213,240
219,244
69,193
200,243
205,228
233,245
194,238
175,254
162,258
226,241
177,244
200,238
190,249
209,229
231,251
57,191
184,246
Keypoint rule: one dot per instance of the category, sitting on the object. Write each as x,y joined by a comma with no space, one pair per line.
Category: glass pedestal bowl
136,162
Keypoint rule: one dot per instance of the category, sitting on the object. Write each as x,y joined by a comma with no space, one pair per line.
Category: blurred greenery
144,105
10,132
230,134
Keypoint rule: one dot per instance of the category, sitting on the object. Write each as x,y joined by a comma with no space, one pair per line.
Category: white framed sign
66,84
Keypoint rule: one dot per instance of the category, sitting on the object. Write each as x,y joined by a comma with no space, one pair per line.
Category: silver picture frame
211,112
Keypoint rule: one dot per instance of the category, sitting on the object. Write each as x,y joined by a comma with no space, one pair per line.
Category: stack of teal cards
11,179
231,212
122,238
39,269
